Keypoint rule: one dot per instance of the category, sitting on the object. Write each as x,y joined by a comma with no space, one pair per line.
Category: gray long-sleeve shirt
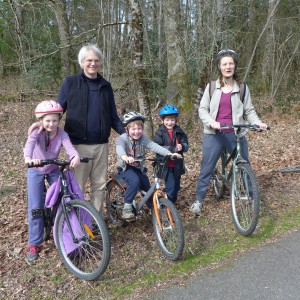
136,148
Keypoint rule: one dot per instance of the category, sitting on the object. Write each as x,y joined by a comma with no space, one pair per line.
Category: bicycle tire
218,178
291,169
170,237
115,203
89,256
245,202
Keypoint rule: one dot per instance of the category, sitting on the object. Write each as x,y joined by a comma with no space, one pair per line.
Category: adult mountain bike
236,173
80,233
167,224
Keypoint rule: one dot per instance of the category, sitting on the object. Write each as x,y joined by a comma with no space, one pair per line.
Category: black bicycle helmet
132,116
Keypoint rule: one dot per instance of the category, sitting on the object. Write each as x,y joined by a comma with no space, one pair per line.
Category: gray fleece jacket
136,149
209,108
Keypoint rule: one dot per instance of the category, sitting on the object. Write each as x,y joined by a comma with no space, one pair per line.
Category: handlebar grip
85,159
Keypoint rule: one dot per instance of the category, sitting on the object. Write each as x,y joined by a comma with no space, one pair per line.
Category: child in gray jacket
129,146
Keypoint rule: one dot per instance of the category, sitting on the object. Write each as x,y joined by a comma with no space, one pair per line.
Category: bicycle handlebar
57,162
249,126
157,159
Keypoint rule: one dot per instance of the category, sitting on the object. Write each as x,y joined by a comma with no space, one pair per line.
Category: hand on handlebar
75,161
175,155
128,159
32,162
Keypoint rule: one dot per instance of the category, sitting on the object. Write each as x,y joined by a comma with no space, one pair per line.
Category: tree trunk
62,24
178,87
268,59
17,9
139,69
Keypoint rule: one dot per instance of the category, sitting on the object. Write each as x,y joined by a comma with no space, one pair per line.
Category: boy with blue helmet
172,137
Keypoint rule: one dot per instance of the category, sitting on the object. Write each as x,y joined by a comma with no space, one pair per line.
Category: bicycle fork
156,207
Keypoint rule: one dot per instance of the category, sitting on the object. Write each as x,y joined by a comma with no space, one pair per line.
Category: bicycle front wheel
218,178
87,254
245,202
168,230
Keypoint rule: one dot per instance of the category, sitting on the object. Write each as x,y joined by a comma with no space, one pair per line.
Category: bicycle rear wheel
245,202
218,178
292,169
170,232
87,256
115,202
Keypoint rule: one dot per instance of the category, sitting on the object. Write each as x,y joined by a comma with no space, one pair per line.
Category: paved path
270,273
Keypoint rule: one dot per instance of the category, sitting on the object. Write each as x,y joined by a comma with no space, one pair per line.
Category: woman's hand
215,125
38,125
75,162
262,125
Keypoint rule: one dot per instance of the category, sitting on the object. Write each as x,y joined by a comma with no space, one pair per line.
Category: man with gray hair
91,112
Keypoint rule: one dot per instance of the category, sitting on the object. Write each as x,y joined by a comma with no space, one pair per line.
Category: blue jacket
89,124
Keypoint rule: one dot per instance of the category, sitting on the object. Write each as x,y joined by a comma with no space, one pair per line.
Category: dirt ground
133,245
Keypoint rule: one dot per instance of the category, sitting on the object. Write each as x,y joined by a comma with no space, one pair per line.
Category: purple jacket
35,148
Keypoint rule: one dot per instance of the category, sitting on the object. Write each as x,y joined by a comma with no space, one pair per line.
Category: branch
260,36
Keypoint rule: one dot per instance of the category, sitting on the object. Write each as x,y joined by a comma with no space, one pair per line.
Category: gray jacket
137,150
209,108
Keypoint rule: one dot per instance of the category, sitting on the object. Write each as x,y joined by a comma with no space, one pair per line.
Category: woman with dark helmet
224,106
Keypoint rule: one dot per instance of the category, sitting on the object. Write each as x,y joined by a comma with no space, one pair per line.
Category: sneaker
196,208
32,253
127,213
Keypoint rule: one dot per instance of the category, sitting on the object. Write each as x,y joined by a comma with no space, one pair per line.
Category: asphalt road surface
271,272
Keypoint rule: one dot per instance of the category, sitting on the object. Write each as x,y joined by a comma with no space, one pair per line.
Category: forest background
156,52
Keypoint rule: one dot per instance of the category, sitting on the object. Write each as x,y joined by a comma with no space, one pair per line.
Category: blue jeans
213,145
172,185
36,203
135,180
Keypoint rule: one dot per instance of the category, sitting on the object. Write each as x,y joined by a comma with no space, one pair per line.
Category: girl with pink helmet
43,145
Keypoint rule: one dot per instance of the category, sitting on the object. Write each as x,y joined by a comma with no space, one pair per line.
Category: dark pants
135,180
172,185
213,145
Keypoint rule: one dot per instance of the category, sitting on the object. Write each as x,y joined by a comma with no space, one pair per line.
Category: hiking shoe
127,213
32,253
196,208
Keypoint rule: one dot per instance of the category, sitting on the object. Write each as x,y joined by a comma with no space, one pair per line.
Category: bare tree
139,69
62,22
178,86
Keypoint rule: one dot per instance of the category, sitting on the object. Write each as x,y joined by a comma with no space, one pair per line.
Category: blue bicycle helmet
169,110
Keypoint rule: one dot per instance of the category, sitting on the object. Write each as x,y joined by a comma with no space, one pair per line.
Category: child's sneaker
196,208
127,213
32,253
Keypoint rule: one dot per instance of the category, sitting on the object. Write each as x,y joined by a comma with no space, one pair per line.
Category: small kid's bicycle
244,192
80,232
167,224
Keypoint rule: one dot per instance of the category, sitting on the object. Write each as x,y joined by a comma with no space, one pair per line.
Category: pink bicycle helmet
48,107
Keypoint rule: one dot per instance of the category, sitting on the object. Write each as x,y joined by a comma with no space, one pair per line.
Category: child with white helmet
129,146
44,145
